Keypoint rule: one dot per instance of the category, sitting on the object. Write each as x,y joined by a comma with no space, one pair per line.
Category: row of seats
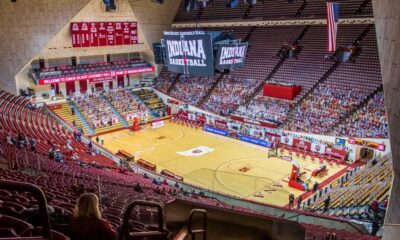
126,104
63,181
70,70
152,101
369,121
229,94
96,110
352,194
268,10
192,89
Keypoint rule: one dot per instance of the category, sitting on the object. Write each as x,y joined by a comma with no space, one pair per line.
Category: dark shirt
91,229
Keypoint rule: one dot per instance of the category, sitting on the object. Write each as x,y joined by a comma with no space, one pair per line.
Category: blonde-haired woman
87,223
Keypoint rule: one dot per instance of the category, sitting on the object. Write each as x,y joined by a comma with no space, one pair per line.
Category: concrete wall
33,29
387,18
25,28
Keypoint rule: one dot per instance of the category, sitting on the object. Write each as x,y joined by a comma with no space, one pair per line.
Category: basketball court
215,162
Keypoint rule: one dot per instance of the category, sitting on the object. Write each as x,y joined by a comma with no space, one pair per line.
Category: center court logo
197,151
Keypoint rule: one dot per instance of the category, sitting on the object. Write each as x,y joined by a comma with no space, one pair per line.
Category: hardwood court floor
215,162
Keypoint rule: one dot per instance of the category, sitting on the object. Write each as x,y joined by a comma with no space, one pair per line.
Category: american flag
332,21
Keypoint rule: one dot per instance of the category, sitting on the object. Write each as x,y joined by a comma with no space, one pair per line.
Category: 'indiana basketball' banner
231,56
189,53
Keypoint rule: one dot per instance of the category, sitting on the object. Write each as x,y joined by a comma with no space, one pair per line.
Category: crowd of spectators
370,121
192,89
164,81
324,108
95,109
125,103
229,94
266,109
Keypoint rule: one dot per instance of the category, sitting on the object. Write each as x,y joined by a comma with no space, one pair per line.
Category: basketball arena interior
199,119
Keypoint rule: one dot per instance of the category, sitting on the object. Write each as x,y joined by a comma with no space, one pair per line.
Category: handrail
125,221
202,231
39,195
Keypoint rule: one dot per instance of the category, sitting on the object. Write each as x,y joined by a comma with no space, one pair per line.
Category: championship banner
76,34
85,34
94,34
189,53
119,34
318,148
102,31
231,56
110,33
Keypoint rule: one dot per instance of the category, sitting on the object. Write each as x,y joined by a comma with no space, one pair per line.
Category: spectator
299,201
315,187
291,201
327,202
10,140
375,227
138,188
32,142
87,222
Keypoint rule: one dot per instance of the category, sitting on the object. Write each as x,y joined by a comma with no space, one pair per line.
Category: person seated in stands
51,153
32,215
10,140
32,143
110,122
58,156
138,188
78,189
68,145
73,123
383,205
87,222
374,206
31,106
327,202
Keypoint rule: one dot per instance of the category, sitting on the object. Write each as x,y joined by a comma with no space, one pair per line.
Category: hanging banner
85,34
231,56
126,29
119,34
133,33
94,35
102,30
110,33
189,53
76,34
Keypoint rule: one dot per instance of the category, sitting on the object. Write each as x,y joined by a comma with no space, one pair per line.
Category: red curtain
83,86
70,87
